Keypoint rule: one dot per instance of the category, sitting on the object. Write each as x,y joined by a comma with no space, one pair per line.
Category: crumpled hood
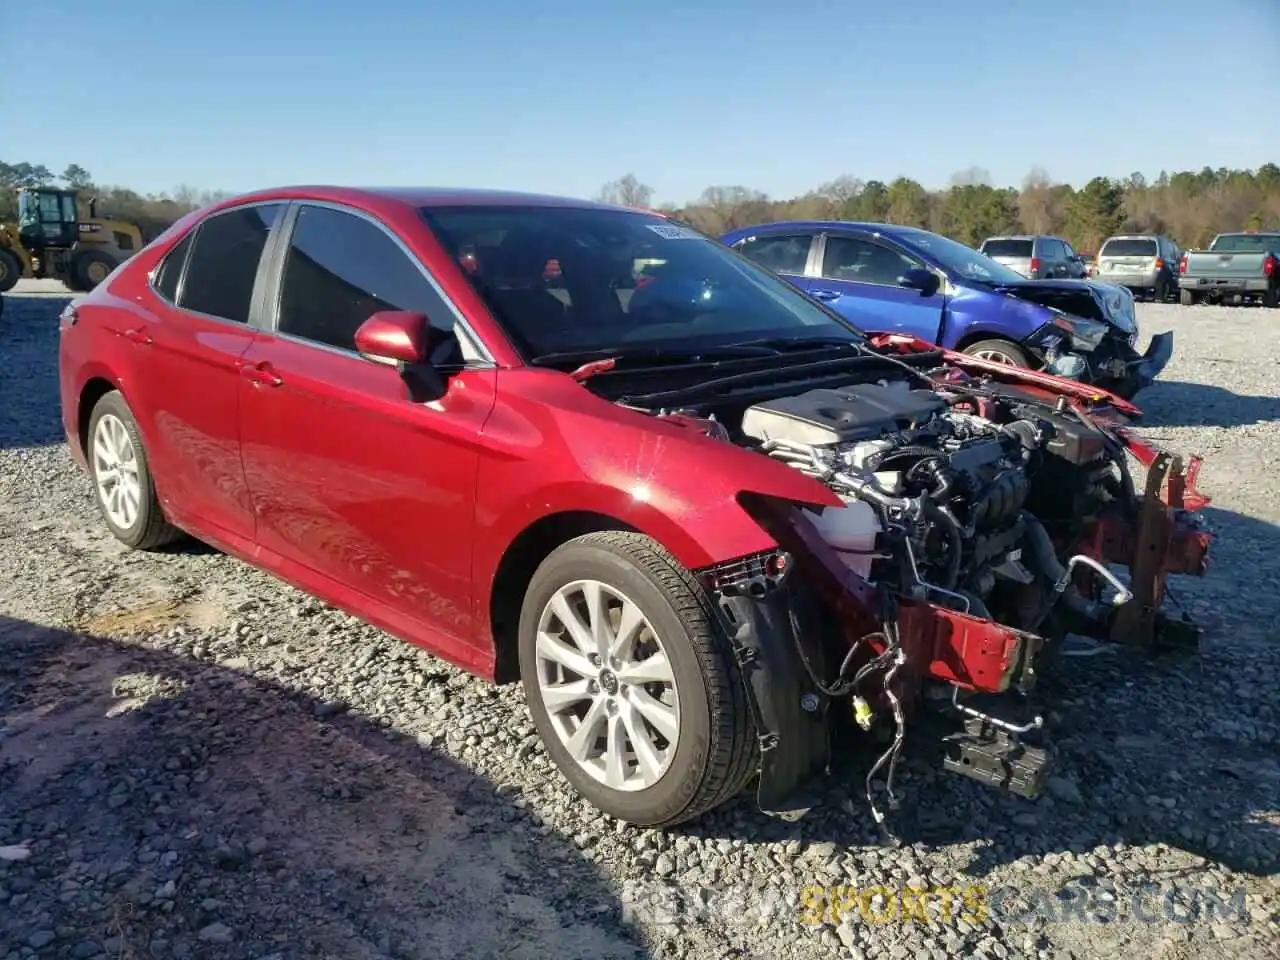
1091,299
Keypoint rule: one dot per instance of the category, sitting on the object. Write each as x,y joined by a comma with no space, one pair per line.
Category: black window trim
783,233
273,287
876,239
259,277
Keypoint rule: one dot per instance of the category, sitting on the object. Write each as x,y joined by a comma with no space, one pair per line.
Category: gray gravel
197,761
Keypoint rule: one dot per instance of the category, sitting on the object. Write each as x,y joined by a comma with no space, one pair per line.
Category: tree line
151,212
1188,206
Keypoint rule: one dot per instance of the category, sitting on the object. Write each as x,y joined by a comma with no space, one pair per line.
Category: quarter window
171,269
340,270
224,261
781,254
862,261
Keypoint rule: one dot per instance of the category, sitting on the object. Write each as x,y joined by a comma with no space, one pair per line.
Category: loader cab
47,217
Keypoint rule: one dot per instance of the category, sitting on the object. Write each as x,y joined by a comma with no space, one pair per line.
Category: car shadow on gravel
1176,403
30,408
159,806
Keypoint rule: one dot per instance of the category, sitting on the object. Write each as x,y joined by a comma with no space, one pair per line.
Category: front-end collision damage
817,642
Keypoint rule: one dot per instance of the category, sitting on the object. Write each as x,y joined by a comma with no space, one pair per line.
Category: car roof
887,229
417,197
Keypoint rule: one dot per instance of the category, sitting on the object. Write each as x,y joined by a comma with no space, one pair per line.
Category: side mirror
917,278
394,337
403,339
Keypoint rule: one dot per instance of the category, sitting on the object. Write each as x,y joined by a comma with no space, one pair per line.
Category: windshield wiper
591,362
781,344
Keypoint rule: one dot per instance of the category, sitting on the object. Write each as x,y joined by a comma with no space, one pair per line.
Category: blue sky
563,96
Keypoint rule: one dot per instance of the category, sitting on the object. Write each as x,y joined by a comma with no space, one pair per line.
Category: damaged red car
700,517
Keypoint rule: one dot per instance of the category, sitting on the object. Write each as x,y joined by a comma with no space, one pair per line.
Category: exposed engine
936,499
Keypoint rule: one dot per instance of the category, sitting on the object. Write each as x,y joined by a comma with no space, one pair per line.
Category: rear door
207,290
859,280
358,489
786,254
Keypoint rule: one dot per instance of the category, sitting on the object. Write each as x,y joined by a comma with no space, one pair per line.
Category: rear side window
1129,247
340,270
1051,248
781,254
1007,248
170,272
224,261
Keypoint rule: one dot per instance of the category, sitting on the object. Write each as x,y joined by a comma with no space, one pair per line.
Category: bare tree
627,191
1035,202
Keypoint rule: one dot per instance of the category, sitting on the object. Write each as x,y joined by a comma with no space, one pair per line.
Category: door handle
262,374
140,337
825,294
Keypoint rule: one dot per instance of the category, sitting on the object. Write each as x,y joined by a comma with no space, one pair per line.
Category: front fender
974,313
673,483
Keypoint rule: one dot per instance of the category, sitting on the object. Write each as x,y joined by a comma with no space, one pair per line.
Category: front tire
10,270
632,682
122,484
999,351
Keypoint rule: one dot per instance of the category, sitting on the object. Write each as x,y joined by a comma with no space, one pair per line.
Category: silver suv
1036,257
1145,263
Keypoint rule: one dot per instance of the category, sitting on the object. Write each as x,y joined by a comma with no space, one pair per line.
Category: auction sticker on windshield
669,231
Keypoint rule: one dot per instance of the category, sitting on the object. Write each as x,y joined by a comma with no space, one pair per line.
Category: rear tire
122,483
1188,298
10,270
709,752
1000,351
1272,297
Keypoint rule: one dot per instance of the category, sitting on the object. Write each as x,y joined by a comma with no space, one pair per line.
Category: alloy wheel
607,685
115,471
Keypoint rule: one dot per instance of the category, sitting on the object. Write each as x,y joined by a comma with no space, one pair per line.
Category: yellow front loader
51,240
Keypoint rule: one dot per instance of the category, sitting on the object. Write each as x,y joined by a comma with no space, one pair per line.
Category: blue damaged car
891,279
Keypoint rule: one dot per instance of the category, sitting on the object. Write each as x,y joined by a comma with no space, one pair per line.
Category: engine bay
981,520
937,498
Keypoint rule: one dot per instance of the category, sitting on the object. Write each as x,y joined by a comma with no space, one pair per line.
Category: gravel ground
197,761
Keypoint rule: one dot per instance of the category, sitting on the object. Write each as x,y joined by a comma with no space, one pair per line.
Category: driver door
359,492
859,280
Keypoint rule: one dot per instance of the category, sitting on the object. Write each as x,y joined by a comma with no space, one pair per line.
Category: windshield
957,258
1129,247
1007,248
574,280
1246,242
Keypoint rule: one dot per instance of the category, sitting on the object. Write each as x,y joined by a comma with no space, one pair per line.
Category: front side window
779,253
339,271
224,261
573,279
956,258
864,261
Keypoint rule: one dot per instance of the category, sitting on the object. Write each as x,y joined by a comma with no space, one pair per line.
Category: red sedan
693,511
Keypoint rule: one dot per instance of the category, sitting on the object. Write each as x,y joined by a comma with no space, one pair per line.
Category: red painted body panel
353,481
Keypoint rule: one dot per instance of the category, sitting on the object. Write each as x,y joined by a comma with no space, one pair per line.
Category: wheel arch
975,336
516,568
94,389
